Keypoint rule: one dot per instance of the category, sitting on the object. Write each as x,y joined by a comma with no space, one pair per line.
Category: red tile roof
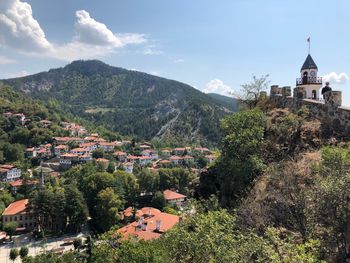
102,160
20,182
167,221
171,195
175,158
119,153
18,207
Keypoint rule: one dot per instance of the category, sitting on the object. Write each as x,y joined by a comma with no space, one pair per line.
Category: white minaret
309,79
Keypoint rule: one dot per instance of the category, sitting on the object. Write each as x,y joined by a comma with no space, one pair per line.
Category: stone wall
335,119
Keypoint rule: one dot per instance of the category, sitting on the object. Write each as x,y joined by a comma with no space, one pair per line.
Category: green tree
240,161
129,186
10,228
77,243
13,254
107,209
76,208
148,181
158,200
23,252
250,92
98,153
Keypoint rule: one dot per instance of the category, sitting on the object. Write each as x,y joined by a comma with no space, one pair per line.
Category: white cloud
151,50
5,60
335,78
180,60
92,32
18,28
219,87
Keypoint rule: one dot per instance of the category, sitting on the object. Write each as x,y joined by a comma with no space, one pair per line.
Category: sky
215,46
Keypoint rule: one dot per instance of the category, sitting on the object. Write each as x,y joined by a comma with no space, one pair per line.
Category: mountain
129,102
228,102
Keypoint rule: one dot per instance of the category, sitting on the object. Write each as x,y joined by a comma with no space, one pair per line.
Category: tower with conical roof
309,79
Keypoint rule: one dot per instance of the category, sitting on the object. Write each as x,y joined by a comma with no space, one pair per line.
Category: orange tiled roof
175,158
20,182
171,195
18,207
102,160
119,153
167,221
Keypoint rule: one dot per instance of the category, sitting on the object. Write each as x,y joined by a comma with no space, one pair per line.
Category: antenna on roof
309,41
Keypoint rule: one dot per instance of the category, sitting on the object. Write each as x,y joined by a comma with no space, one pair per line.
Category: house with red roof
176,160
144,160
19,212
107,146
172,197
151,224
120,156
60,149
15,185
67,159
179,150
31,152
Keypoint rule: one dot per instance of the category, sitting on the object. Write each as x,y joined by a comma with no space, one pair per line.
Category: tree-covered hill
130,102
228,102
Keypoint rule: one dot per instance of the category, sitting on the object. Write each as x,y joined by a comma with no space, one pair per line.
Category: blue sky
212,45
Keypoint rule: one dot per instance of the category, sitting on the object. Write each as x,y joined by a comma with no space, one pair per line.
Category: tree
98,153
250,92
76,208
106,210
240,161
23,252
13,254
127,183
77,243
48,205
10,228
148,181
158,200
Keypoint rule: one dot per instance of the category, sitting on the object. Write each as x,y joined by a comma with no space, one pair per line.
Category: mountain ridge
129,102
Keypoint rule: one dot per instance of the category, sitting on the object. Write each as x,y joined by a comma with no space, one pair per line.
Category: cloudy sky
214,46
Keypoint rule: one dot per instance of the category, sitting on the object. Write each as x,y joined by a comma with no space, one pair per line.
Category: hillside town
51,160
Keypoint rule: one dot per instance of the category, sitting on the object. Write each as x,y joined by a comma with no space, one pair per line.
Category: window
5,219
15,218
20,218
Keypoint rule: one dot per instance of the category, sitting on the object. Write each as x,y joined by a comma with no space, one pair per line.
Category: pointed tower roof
309,63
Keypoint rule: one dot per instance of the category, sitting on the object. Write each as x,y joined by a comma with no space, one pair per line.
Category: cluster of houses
73,128
150,224
162,158
85,146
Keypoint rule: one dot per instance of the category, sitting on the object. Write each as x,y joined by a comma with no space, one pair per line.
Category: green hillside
129,102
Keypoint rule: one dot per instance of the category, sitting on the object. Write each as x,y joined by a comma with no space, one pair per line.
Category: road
35,247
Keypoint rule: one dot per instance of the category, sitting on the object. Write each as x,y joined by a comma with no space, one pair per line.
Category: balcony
308,80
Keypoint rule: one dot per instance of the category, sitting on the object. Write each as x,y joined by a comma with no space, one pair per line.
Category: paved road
35,247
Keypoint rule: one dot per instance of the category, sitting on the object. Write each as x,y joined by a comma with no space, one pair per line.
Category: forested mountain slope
130,102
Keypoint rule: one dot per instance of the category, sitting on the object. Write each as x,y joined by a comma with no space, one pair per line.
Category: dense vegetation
130,102
279,192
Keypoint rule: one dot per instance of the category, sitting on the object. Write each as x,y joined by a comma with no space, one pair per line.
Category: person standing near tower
326,92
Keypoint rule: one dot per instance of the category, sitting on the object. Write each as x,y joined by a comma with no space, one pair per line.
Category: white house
9,173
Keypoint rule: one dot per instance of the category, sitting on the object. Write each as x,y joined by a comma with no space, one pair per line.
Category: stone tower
309,81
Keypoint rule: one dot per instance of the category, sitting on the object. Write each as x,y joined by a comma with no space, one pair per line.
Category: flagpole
309,44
